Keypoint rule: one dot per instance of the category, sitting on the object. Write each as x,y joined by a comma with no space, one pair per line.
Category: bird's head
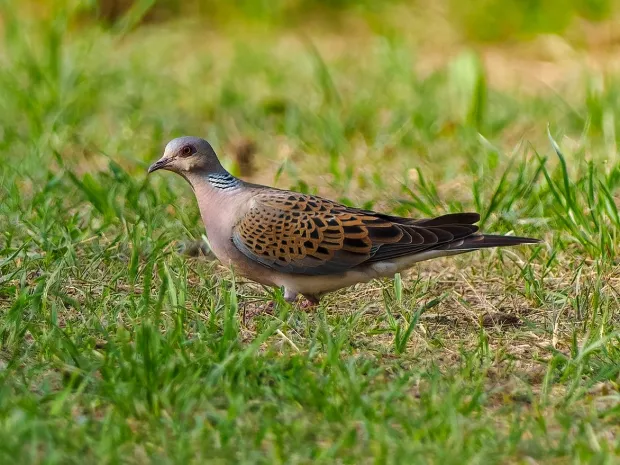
188,155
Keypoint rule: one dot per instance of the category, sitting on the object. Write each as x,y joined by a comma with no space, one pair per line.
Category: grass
118,346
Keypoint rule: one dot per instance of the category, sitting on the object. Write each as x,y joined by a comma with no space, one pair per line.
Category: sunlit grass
117,347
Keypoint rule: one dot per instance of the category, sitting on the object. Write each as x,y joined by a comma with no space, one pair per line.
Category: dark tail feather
450,218
484,241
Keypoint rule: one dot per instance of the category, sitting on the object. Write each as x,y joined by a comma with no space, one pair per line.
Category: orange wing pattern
304,234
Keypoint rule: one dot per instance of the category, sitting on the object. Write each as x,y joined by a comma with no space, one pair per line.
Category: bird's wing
303,234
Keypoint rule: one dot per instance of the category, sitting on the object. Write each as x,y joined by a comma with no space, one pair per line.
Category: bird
306,244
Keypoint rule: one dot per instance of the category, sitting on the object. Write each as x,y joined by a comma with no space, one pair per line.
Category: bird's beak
159,164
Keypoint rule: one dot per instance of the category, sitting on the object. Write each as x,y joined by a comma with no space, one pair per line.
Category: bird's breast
220,212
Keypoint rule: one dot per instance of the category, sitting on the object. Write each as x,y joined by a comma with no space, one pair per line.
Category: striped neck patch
223,180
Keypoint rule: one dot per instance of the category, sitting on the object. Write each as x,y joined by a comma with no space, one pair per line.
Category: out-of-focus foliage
270,11
492,20
481,20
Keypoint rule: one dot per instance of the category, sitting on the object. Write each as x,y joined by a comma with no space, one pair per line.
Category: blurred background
366,101
166,67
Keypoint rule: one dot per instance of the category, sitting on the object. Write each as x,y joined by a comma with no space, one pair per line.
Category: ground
122,340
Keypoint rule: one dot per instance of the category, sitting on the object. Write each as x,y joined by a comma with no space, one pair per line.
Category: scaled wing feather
303,234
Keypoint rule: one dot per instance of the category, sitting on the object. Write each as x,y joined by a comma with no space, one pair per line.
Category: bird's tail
484,241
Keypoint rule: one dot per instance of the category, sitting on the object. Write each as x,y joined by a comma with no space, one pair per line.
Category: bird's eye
187,150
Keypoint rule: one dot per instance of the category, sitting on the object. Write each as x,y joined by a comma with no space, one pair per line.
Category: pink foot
308,303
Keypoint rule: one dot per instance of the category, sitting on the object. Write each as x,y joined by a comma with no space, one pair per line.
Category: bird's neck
217,181
215,190
220,196
223,180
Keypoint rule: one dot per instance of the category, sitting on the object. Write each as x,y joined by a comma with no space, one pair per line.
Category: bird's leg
310,301
289,295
